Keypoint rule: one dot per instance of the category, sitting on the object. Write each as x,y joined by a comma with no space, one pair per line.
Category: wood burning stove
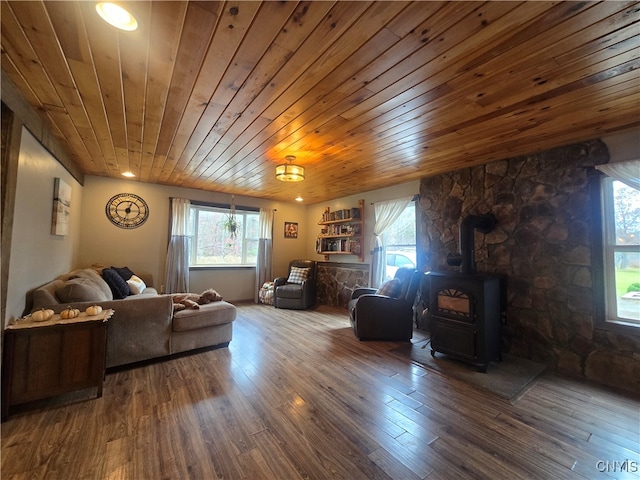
465,316
466,308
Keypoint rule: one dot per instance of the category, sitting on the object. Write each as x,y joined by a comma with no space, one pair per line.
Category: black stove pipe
484,223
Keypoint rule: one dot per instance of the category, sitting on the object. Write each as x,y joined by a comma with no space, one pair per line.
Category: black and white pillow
298,275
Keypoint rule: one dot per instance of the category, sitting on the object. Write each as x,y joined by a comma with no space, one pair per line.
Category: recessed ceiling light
128,174
299,198
117,16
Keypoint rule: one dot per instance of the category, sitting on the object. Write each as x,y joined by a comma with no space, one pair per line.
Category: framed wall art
61,207
290,230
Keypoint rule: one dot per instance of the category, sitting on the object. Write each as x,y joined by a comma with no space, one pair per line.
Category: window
621,221
213,244
400,242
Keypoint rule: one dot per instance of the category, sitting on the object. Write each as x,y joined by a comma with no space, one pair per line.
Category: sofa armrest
140,329
279,281
379,305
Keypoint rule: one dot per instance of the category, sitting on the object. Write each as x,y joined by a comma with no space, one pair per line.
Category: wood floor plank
393,467
297,396
275,456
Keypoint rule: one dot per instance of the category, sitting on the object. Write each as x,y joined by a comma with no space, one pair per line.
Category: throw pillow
390,289
136,285
92,275
116,283
298,275
124,272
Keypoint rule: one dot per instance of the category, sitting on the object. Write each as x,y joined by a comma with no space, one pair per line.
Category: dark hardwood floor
297,396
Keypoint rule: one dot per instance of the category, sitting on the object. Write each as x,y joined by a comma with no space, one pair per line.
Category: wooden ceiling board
287,124
213,95
228,37
395,99
20,61
199,25
71,32
164,30
238,85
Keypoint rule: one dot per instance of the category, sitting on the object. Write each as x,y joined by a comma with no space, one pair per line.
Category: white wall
37,256
143,249
623,146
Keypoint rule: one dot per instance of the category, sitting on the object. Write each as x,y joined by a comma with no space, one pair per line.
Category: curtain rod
415,198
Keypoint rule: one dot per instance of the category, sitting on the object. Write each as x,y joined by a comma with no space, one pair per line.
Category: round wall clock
127,210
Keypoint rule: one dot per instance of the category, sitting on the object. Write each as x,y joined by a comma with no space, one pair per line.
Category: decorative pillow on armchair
391,288
298,275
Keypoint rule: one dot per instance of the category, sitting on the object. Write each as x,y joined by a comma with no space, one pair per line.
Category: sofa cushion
208,315
290,290
46,294
149,292
116,283
80,290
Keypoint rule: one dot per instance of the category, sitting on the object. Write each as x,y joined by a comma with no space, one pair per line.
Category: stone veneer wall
336,281
542,243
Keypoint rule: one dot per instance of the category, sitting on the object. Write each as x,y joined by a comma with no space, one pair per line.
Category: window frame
603,257
413,204
226,210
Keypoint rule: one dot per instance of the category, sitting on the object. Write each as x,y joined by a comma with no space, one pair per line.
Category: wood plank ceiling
213,95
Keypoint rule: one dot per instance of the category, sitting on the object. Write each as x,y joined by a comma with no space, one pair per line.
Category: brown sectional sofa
143,326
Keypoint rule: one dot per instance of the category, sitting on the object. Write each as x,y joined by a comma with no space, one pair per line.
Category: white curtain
177,265
264,270
385,214
627,172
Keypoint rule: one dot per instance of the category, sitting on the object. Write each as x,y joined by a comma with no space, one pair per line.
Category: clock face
127,210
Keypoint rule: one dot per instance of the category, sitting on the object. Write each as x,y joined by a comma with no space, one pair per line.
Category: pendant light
290,172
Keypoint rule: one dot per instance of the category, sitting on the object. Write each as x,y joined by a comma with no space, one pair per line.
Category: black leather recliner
293,295
379,317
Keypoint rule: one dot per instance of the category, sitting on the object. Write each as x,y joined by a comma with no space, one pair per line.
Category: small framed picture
290,230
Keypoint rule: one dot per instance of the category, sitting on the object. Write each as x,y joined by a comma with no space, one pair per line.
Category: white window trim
609,249
224,210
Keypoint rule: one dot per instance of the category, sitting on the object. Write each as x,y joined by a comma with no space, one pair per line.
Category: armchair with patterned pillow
298,290
386,313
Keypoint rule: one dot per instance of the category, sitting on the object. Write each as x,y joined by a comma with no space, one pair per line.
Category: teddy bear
182,301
